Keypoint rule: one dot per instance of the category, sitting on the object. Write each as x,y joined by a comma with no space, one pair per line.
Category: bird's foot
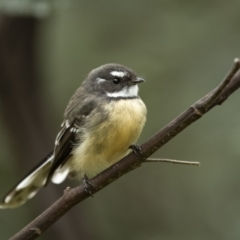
87,185
136,149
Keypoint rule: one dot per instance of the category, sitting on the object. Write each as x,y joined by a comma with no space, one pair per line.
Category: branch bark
73,196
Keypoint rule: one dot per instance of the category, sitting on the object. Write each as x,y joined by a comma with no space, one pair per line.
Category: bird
101,124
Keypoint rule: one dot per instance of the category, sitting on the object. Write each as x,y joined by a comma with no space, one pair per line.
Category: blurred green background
183,49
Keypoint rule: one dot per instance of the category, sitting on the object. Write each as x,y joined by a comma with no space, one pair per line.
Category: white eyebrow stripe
126,92
118,73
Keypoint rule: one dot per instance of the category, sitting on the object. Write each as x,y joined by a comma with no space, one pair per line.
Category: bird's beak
137,80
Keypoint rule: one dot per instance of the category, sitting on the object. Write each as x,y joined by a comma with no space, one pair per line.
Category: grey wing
79,107
67,138
70,134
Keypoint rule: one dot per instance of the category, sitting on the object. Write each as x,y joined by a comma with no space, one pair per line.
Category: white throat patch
126,92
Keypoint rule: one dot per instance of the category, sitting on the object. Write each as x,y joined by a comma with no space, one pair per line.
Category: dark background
183,49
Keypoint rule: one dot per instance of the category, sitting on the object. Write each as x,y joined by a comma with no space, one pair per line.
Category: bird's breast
110,140
125,123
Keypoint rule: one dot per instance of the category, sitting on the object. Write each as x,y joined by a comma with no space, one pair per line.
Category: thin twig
224,83
132,161
148,160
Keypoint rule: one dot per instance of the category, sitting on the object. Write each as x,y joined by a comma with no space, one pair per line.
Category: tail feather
28,186
60,174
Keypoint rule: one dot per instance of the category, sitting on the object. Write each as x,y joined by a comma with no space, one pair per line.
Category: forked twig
223,84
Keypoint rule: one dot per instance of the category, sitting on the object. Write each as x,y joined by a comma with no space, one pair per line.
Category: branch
73,196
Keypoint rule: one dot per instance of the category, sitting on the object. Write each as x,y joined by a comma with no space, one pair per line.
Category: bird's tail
29,185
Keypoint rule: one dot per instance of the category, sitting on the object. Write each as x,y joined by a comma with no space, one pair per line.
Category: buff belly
111,140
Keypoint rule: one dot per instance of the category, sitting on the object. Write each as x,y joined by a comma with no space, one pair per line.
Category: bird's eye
116,80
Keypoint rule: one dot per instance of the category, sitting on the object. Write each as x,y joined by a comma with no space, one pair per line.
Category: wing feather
68,138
